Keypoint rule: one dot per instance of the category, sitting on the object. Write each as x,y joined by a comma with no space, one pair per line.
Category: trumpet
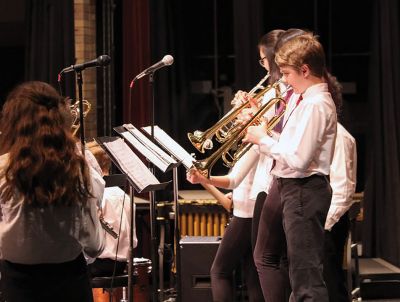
204,166
202,140
226,131
74,108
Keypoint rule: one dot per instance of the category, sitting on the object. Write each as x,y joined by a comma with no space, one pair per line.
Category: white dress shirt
241,181
305,146
250,175
343,176
116,205
51,234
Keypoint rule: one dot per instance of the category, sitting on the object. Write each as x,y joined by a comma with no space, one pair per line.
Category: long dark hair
43,163
267,45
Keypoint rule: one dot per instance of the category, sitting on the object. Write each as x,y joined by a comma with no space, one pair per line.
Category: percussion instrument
141,288
204,217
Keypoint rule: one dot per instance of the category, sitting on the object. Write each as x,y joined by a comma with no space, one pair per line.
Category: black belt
303,180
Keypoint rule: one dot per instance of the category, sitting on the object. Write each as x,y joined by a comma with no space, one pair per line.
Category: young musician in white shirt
235,246
303,155
115,211
343,184
247,179
343,177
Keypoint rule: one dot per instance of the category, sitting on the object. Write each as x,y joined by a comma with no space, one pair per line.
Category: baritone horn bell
74,109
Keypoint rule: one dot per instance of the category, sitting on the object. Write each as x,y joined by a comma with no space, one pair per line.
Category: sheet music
131,164
146,147
172,146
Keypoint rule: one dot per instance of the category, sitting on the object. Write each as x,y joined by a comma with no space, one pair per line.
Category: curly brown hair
43,164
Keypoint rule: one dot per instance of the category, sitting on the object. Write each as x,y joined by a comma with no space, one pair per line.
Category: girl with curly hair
48,200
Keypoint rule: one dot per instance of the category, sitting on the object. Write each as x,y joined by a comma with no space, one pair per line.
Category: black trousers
305,204
66,281
334,276
258,206
270,249
235,249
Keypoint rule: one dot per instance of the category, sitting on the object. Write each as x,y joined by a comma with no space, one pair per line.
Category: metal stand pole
79,81
131,240
177,235
153,224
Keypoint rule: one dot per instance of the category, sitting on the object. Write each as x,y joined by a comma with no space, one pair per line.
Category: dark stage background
214,46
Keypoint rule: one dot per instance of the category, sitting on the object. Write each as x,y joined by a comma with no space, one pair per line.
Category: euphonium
204,166
202,140
74,108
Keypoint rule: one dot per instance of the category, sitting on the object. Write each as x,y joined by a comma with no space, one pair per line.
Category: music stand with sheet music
140,180
159,158
180,154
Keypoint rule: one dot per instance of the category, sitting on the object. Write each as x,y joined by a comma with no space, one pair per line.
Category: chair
104,287
110,282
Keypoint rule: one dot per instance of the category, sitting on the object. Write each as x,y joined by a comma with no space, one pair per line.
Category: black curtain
178,110
248,29
171,83
381,227
50,41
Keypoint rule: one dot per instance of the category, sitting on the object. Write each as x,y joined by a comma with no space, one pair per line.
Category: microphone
102,60
167,60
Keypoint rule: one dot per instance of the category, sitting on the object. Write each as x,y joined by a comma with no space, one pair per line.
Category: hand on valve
240,98
254,134
195,177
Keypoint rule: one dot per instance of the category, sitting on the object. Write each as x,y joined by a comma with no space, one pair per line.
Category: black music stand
180,154
130,165
150,72
164,162
146,147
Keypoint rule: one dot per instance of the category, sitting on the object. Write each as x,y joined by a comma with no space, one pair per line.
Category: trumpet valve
199,141
201,167
208,144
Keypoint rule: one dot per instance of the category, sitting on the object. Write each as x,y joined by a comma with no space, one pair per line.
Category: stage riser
379,279
380,290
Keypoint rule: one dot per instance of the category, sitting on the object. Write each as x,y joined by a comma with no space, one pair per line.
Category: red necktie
282,105
299,100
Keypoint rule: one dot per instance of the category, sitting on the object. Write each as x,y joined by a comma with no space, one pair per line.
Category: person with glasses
250,181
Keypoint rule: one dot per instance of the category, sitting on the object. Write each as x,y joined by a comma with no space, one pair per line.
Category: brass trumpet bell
202,140
226,152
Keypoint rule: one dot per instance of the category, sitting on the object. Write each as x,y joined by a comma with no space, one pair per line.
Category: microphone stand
79,80
131,248
153,225
177,236
153,244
